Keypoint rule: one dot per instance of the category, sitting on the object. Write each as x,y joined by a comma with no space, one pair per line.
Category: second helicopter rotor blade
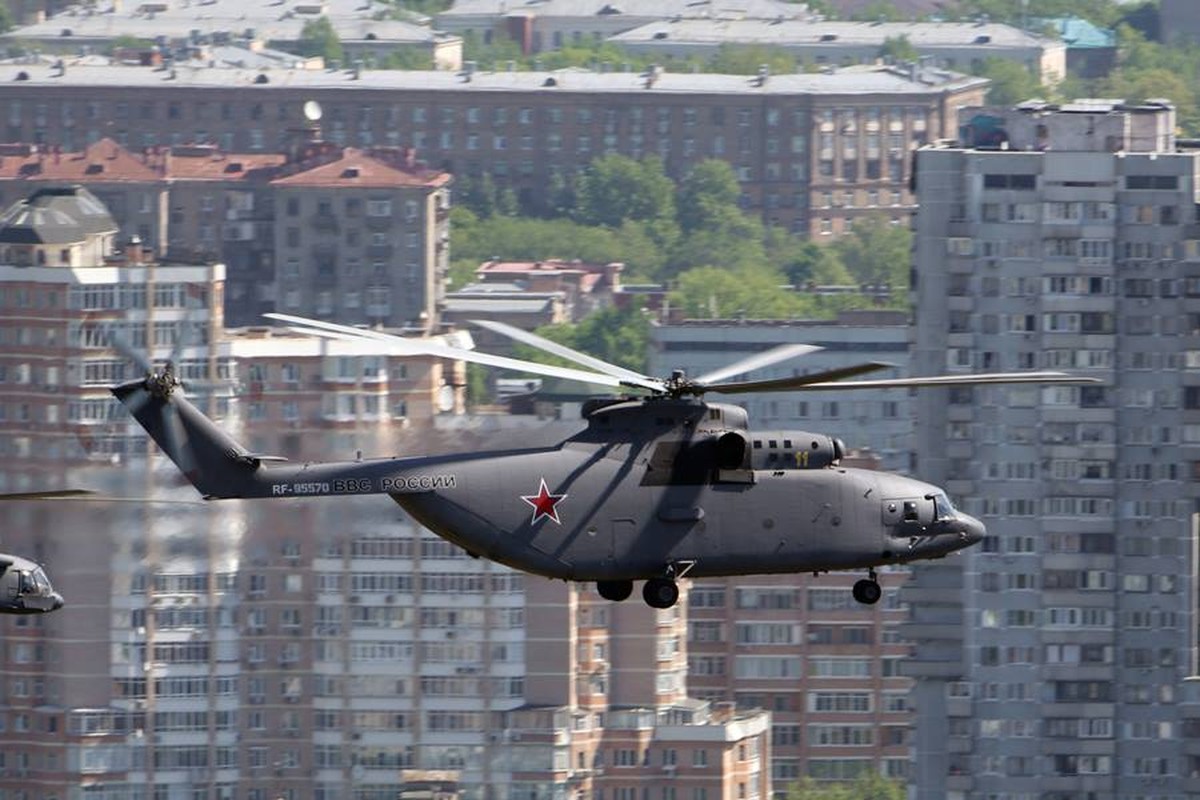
797,382
757,361
409,347
979,379
562,351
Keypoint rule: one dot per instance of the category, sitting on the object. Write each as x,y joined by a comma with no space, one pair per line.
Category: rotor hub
162,384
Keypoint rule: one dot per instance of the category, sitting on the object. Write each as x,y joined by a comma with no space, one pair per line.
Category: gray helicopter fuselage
649,487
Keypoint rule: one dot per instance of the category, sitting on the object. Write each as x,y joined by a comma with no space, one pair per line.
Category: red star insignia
544,504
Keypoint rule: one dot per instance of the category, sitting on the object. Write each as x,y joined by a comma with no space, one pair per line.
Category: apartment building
1049,661
316,230
812,152
961,46
551,25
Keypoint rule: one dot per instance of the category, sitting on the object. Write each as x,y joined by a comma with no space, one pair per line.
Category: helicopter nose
973,530
57,601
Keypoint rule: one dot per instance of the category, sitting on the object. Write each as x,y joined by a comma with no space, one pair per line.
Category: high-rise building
1049,661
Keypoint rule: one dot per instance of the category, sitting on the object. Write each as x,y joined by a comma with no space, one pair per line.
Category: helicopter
658,486
24,586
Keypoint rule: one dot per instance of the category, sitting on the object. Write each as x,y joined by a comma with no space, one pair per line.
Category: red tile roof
382,168
106,161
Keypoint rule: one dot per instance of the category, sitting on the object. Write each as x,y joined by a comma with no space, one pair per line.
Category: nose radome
58,602
973,530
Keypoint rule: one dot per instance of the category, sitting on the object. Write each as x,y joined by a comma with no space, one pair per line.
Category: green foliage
804,262
868,786
708,190
879,11
126,42
500,51
898,48
408,58
318,38
6,19
877,252
427,7
1012,82
618,336
616,188
742,59
1105,13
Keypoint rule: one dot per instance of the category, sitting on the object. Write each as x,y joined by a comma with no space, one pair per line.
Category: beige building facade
812,152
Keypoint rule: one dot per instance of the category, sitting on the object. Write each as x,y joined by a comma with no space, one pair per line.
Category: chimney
133,251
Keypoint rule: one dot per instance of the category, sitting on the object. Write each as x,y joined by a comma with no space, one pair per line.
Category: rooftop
860,79
781,33
635,9
106,161
264,20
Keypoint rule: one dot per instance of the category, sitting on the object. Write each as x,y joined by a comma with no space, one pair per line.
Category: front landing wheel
660,593
867,591
615,590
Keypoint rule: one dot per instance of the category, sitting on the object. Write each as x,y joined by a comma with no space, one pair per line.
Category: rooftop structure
365,31
951,45
539,25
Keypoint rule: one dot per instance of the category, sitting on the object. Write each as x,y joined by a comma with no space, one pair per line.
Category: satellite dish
312,110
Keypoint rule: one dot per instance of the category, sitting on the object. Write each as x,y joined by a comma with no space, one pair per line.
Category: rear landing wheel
867,591
615,590
660,593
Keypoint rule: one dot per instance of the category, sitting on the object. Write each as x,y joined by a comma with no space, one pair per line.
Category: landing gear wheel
615,590
660,593
867,591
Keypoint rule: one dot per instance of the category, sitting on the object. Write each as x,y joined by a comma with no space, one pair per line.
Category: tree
318,38
898,48
616,188
619,336
804,261
708,190
743,59
869,785
1012,82
877,252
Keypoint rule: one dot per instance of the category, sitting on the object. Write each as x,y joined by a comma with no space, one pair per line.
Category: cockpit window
40,579
942,507
27,586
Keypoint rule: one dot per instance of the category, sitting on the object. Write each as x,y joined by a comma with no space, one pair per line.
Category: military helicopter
655,488
24,586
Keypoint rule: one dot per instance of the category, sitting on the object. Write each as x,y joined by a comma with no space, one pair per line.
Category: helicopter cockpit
26,589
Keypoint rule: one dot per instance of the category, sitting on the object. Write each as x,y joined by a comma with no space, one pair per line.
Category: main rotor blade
956,380
54,494
122,346
410,347
757,361
797,382
562,351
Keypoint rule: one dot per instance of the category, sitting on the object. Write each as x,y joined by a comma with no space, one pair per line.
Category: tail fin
214,463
